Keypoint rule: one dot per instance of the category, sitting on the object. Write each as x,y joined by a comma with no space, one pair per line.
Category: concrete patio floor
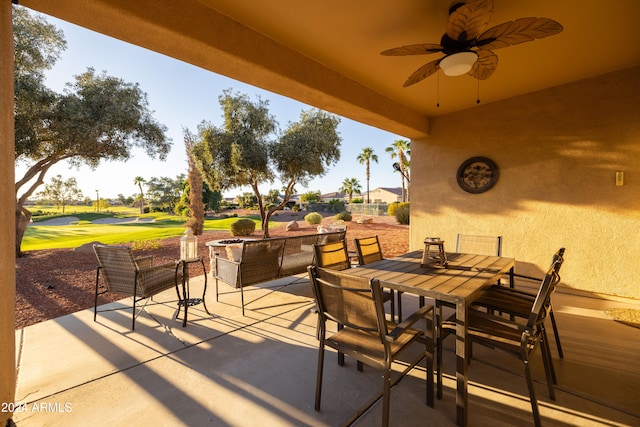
260,369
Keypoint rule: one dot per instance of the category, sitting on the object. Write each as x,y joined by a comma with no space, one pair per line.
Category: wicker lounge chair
137,277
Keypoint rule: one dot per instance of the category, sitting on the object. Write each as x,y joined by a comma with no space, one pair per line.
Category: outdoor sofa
263,260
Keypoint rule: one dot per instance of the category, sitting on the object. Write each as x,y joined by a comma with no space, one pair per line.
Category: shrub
343,216
313,218
402,213
391,210
243,227
143,245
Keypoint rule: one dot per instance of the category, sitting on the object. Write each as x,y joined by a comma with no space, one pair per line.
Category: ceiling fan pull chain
438,91
478,100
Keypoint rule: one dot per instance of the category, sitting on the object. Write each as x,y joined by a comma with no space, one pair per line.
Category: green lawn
80,209
84,231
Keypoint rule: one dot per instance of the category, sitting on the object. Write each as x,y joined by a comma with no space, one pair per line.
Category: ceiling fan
468,47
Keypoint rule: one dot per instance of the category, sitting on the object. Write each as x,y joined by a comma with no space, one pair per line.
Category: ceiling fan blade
485,65
519,31
468,21
423,72
413,49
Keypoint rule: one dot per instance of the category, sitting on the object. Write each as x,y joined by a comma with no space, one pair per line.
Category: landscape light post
396,166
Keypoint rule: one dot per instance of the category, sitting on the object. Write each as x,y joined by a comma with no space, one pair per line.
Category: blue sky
182,96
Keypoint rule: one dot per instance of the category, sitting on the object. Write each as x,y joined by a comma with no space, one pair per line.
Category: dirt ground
56,282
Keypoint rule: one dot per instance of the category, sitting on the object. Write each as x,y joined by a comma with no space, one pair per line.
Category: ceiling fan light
459,63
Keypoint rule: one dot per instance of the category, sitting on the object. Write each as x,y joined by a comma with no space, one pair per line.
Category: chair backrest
369,250
479,245
118,267
330,236
541,304
333,255
261,260
558,260
352,301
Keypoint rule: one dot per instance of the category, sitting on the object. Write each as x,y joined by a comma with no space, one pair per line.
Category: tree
350,186
272,197
125,201
164,193
310,197
401,149
101,204
304,151
243,152
196,205
61,192
37,47
247,200
212,198
138,180
366,157
98,117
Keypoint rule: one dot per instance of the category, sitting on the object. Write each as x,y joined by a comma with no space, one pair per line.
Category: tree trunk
22,219
265,224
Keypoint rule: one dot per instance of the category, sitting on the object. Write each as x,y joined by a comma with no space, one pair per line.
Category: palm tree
366,157
350,186
401,149
138,180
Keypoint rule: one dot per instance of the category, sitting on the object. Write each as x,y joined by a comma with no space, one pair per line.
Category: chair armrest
144,261
167,265
227,270
408,322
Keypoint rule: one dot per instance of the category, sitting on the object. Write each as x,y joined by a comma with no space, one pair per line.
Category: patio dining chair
369,250
332,255
515,339
136,277
335,256
481,245
517,302
366,335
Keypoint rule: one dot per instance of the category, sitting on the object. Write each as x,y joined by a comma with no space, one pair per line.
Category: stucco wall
557,151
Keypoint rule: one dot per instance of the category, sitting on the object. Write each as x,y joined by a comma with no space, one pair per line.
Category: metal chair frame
367,336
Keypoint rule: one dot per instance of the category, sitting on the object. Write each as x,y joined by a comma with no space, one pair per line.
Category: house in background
335,195
386,195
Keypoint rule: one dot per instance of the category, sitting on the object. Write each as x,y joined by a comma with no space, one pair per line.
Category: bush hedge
391,210
243,227
343,216
313,218
402,213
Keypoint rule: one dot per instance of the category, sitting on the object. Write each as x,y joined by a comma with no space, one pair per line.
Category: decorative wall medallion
477,175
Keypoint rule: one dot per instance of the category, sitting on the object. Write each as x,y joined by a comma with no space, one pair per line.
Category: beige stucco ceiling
327,53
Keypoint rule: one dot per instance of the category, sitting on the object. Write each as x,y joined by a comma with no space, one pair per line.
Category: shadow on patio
230,370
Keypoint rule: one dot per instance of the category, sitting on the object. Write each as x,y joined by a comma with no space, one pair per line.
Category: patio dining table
457,286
